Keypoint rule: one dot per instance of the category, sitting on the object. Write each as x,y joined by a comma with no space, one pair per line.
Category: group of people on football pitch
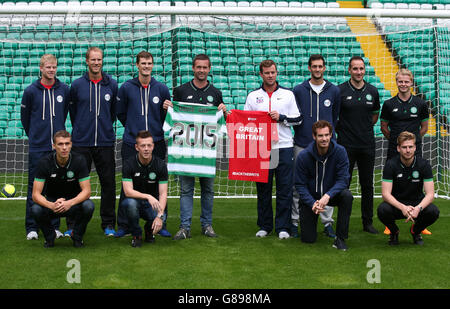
312,172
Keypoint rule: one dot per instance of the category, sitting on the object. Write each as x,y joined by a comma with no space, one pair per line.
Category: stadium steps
374,47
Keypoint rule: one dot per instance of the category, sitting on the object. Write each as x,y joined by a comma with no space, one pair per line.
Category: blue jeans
127,152
80,213
136,209
33,160
187,200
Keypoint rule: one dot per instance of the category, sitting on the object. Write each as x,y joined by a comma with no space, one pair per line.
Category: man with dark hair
280,104
321,178
405,177
93,112
360,105
198,90
45,104
140,106
317,99
62,188
145,184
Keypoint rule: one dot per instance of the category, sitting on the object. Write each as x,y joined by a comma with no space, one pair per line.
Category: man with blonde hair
405,178
404,112
43,112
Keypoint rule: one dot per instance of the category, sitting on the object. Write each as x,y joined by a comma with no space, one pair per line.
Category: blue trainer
164,233
121,233
67,233
109,231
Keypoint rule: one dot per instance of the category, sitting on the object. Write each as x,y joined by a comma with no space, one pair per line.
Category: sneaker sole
334,246
185,236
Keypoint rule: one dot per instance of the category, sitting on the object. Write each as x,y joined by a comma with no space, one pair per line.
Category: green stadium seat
217,69
125,52
110,69
228,60
78,70
219,79
252,85
158,69
247,69
125,60
11,132
125,69
256,52
237,85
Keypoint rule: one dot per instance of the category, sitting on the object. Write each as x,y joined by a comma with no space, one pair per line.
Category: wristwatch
420,208
161,216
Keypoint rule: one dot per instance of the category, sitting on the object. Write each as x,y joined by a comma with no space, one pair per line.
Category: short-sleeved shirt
407,181
187,92
62,181
404,116
355,125
145,178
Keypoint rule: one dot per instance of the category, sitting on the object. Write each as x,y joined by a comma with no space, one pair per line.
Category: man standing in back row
198,90
45,104
360,105
140,106
93,112
280,104
404,112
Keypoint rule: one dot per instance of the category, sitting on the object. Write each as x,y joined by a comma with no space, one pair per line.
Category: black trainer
370,229
149,237
339,244
136,242
417,238
77,243
393,239
49,244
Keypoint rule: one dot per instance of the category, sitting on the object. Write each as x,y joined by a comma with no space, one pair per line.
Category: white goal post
236,38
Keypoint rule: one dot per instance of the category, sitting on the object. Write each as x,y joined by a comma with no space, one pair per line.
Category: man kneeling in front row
321,179
145,184
62,188
405,177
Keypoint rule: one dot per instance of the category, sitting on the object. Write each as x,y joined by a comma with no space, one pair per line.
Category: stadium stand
24,39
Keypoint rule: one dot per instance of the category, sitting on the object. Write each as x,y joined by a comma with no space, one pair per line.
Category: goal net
236,45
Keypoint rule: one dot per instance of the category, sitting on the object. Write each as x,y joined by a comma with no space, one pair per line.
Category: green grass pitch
236,259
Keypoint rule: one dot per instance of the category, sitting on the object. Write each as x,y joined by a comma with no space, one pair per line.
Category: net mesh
236,46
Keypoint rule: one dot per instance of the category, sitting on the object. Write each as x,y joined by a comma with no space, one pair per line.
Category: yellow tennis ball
8,191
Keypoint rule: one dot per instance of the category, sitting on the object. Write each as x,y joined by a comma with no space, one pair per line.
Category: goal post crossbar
236,39
76,8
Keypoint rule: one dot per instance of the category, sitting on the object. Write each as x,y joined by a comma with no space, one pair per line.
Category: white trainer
32,235
283,235
261,233
59,234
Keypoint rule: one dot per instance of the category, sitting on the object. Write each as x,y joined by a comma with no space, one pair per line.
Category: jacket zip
51,109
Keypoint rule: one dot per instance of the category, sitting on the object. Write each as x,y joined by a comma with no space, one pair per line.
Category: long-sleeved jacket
93,111
316,175
140,108
314,107
282,100
43,112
